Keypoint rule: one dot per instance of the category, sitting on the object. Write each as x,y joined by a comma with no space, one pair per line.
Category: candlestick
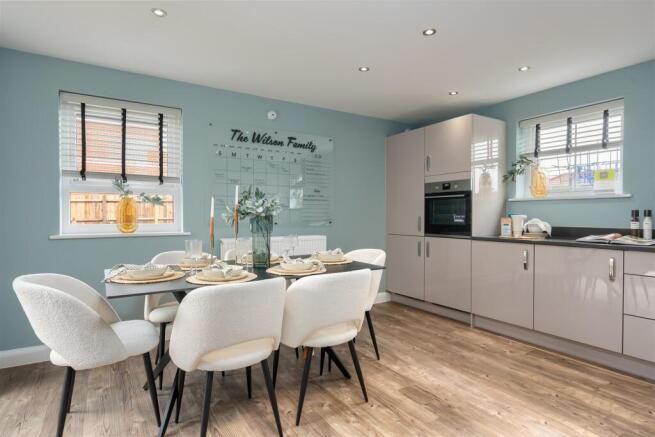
211,210
236,195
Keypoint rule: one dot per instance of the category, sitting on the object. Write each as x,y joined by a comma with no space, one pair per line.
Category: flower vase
127,215
261,229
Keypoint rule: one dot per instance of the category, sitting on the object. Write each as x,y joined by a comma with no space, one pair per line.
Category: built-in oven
448,207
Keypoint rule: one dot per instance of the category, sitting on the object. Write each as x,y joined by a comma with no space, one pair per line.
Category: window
580,151
101,140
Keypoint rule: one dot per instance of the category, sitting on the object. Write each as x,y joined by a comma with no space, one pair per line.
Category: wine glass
293,242
195,250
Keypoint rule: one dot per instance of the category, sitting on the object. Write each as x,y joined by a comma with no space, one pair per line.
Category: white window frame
102,183
523,181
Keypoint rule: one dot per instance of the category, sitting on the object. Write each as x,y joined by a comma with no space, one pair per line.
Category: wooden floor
436,377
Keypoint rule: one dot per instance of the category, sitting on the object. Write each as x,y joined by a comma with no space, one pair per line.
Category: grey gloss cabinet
448,272
405,265
502,281
448,146
578,295
405,183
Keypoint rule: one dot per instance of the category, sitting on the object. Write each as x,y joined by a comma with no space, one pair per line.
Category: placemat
195,280
173,277
336,263
275,271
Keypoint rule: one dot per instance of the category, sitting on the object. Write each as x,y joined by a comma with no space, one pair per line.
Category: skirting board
612,360
41,353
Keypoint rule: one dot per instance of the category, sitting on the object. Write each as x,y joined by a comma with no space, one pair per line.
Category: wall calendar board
296,167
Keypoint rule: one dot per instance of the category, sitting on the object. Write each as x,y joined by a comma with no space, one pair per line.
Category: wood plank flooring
436,377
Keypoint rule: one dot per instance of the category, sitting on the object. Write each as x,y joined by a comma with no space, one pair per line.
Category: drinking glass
293,242
195,251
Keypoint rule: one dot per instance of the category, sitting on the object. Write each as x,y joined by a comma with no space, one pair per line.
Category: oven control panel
445,186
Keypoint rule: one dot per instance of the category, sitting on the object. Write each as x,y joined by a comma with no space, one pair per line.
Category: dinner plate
201,276
297,268
140,276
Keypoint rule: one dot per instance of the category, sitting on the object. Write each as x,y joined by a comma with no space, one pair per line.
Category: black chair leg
205,407
70,393
276,361
296,353
169,407
271,396
65,395
329,364
337,362
249,381
323,352
180,392
162,349
147,364
372,332
303,385
358,369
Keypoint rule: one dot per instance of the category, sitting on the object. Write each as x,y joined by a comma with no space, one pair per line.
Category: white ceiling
308,52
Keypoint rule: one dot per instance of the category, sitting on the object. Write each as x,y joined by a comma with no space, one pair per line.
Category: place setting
331,257
221,273
148,273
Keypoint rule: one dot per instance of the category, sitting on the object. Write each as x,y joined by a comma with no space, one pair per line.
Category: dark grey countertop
564,236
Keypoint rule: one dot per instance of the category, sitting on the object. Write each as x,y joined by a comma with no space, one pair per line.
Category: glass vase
538,182
261,229
127,215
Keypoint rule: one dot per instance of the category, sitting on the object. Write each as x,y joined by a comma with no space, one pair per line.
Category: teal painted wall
636,84
29,208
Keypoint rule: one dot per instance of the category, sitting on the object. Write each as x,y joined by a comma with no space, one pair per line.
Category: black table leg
337,362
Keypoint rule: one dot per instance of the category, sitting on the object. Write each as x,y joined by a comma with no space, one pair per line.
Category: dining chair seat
331,335
237,356
163,313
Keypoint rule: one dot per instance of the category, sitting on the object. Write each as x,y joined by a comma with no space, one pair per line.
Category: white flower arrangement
253,204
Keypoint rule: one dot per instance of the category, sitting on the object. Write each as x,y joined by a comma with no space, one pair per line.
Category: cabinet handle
427,163
418,224
525,260
419,248
612,270
427,249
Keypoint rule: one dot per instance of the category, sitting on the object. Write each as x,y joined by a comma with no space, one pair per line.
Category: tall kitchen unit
437,268
404,203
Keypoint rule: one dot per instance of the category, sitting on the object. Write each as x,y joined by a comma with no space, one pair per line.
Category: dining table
180,287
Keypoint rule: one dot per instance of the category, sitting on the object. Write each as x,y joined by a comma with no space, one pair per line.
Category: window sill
117,235
571,197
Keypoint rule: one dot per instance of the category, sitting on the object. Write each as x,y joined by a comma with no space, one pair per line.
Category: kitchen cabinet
448,146
639,296
448,272
405,266
502,281
404,183
639,338
578,295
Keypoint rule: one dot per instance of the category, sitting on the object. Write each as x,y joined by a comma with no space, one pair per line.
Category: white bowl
297,267
148,272
330,257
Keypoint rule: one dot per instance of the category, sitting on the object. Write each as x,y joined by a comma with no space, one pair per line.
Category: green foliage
124,191
519,167
253,204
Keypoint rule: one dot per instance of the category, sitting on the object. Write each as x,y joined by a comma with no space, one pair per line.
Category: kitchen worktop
565,236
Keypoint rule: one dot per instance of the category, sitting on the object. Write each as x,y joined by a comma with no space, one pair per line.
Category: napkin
314,261
119,269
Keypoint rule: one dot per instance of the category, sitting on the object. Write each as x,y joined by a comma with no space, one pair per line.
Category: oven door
448,213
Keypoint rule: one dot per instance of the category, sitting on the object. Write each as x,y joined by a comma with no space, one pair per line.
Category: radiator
307,244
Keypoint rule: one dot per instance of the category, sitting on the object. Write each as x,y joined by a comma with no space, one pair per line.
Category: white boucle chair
324,311
82,330
376,257
226,327
162,313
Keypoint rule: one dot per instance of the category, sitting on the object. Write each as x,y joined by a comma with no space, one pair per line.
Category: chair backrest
70,318
323,301
229,255
170,257
370,256
219,316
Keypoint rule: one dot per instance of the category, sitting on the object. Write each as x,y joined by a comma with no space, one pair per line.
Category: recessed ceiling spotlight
363,69
524,68
453,93
429,32
157,12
